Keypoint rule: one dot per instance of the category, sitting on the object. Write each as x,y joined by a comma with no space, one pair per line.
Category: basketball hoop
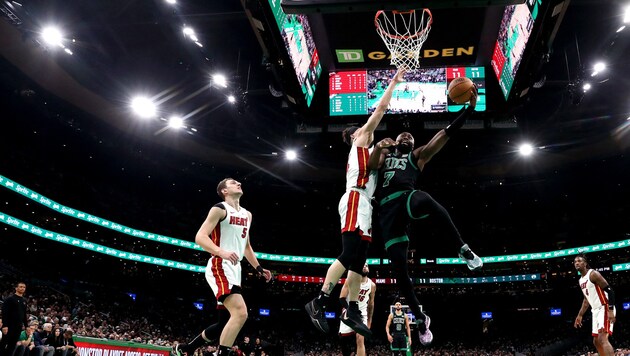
404,34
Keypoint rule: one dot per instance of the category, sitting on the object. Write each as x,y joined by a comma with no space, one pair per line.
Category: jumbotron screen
357,92
516,28
298,40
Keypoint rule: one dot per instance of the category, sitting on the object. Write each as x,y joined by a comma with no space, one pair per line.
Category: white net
404,33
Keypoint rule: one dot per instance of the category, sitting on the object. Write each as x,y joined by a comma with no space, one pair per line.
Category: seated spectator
68,347
25,343
40,338
55,339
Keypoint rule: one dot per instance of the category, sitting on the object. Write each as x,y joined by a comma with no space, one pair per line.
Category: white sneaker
427,337
474,263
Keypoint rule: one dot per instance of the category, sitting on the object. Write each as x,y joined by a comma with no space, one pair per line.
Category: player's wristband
451,129
260,270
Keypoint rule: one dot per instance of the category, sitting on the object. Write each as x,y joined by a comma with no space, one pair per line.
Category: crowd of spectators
89,311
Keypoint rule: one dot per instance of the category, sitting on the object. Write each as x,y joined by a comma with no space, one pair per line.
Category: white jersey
592,292
358,176
364,298
231,234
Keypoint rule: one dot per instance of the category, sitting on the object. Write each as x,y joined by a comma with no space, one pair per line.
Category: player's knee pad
350,242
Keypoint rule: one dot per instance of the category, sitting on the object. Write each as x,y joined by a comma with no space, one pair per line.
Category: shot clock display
357,92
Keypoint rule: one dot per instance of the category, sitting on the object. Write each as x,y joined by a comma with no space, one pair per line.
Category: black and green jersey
398,323
398,173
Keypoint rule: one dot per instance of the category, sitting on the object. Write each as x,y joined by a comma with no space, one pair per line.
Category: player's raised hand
399,77
578,322
386,142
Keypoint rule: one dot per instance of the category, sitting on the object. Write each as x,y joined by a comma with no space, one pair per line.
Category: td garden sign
357,55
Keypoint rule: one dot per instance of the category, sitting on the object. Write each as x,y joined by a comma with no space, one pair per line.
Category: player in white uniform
601,298
225,235
367,290
356,220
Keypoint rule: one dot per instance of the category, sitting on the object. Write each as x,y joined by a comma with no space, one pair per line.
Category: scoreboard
357,92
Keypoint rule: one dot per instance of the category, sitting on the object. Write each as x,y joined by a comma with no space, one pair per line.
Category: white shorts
600,320
355,211
346,330
222,276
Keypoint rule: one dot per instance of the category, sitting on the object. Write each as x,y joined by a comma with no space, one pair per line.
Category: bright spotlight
587,87
171,1
175,122
231,99
291,155
68,51
143,107
220,80
621,28
189,31
599,66
194,38
626,16
526,149
52,36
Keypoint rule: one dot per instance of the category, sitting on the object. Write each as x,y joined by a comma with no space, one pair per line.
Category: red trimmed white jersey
230,234
592,292
364,298
355,209
358,176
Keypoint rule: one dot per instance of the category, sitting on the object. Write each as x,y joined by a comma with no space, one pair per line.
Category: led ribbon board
86,245
36,197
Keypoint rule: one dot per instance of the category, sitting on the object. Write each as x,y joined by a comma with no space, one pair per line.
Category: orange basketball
459,90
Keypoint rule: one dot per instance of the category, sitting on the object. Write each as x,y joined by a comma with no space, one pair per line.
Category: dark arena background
102,193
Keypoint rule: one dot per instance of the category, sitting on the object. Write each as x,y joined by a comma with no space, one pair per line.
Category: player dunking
347,336
601,298
225,235
400,203
399,332
355,211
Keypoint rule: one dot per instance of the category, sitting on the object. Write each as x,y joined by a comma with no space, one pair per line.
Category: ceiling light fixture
526,149
143,107
52,36
291,155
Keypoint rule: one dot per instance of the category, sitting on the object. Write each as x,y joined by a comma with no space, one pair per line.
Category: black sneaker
353,319
177,350
316,312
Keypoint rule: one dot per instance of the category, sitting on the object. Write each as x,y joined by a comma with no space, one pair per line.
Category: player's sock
323,299
224,350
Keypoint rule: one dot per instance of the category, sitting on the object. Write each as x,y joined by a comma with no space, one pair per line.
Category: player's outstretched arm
426,152
365,134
